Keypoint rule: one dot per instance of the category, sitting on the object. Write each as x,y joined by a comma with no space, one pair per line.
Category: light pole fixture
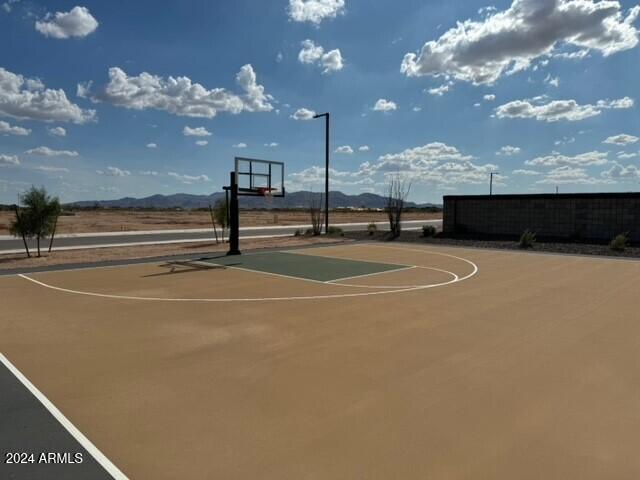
326,170
491,182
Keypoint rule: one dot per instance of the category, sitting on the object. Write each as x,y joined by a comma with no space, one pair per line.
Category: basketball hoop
267,194
251,178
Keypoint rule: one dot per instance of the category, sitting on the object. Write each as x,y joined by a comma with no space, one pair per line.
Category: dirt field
527,369
114,221
13,261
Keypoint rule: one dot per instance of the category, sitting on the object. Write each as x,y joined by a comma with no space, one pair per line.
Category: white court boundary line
102,460
265,299
399,269
333,282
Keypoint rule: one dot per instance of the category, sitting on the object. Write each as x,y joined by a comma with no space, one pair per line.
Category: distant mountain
291,200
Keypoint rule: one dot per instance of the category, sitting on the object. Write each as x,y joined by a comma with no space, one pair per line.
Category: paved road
112,239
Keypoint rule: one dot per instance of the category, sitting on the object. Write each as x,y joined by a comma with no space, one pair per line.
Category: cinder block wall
584,216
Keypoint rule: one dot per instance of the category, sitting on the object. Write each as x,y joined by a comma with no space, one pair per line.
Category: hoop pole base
234,218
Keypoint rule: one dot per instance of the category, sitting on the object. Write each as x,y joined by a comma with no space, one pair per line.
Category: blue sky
111,99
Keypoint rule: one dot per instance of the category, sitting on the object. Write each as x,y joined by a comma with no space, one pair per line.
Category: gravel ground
550,247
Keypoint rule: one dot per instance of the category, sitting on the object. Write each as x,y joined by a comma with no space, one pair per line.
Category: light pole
491,182
326,171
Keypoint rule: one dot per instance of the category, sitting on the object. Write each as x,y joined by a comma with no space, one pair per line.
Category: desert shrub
619,242
309,231
398,191
372,228
527,239
315,212
336,231
297,233
428,231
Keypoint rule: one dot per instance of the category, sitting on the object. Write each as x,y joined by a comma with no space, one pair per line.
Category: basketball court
359,360
354,360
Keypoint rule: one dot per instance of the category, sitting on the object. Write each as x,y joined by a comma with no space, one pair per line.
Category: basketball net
267,194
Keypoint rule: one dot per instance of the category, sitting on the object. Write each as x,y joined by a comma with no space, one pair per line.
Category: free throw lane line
64,421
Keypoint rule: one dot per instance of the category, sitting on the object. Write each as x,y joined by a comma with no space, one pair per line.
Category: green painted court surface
309,267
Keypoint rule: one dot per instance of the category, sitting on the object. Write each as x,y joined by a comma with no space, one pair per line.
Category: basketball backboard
259,177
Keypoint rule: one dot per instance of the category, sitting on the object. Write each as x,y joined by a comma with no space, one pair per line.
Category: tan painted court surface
528,368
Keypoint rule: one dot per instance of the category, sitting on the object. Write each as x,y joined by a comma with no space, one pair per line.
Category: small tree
220,214
397,192
315,213
38,218
21,227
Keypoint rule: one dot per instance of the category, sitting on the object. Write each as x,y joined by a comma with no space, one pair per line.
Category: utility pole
326,171
491,182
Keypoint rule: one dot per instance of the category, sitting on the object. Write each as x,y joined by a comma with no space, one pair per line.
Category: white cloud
441,90
240,145
582,160
180,96
114,172
28,99
622,139
490,97
311,53
196,132
48,152
487,10
314,176
279,57
625,102
420,158
6,129
577,55
417,109
383,105
525,172
303,114
569,175
314,11
346,149
189,178
508,150
555,82
149,173
565,141
9,160
8,5
509,41
271,145
76,23
557,110
255,100
435,163
57,131
626,156
202,143
363,148
618,171
152,145
50,169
